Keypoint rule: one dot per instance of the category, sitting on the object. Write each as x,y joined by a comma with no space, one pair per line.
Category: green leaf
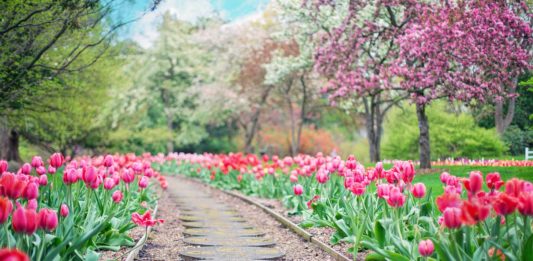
380,233
374,257
527,249
91,255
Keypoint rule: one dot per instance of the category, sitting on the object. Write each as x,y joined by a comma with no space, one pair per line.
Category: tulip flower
43,180
64,211
31,191
444,177
474,183
383,190
298,190
3,166
452,217
143,182
13,255
358,189
117,196
109,183
447,200
128,176
56,160
494,181
25,169
426,247
36,162
47,219
13,187
24,220
108,161
396,198
322,176
525,204
473,212
5,209
51,170
70,176
419,190
504,204
89,174
514,187
145,220
313,200
32,204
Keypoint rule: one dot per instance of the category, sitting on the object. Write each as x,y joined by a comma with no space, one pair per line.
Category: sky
144,31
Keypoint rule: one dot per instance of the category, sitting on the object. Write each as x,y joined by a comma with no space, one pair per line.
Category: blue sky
143,31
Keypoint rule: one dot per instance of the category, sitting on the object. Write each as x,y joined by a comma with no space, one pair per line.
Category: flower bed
88,208
382,210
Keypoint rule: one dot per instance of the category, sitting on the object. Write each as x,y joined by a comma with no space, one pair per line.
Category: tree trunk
250,134
423,139
302,114
503,120
373,126
9,141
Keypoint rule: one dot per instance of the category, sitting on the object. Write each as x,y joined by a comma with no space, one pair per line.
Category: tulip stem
7,235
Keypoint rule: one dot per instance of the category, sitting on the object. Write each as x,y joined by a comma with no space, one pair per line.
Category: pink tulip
452,217
89,174
43,180
51,170
3,166
36,162
128,176
322,176
396,198
419,190
70,176
293,177
384,190
358,188
32,204
474,183
298,190
109,183
24,220
56,160
117,196
25,169
108,161
426,247
41,170
31,191
64,211
149,172
143,182
47,219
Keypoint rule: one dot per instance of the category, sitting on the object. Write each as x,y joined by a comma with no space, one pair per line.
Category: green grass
432,181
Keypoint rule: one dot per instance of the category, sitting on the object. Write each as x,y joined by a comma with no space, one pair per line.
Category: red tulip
12,186
108,161
494,181
298,190
25,169
117,196
419,190
36,162
396,198
7,254
447,200
47,219
358,188
24,220
31,191
145,220
472,212
5,209
313,200
504,204
89,174
474,183
525,204
426,247
56,160
64,210
3,166
143,182
452,217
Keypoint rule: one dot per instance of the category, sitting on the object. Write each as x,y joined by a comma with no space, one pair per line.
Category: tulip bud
56,160
32,191
298,190
108,161
70,176
419,190
32,204
143,182
47,219
36,162
43,180
117,196
51,170
64,210
24,220
3,166
25,169
426,247
5,209
452,217
41,170
13,255
109,183
128,176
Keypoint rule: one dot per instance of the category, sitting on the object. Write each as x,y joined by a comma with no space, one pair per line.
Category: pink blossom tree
470,51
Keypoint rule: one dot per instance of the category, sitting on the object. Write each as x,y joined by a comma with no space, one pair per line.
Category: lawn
432,181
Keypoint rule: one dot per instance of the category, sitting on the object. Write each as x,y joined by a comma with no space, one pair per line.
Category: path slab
232,253
223,232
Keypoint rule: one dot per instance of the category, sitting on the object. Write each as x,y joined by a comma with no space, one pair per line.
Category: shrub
516,139
451,135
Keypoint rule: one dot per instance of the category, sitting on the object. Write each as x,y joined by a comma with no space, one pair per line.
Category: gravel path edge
142,241
292,226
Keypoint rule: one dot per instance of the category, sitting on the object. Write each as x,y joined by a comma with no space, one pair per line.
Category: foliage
452,135
517,140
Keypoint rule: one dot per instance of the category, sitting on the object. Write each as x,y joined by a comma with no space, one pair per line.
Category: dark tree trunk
250,132
9,141
374,122
423,139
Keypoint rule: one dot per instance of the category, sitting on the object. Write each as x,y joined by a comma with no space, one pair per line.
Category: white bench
529,154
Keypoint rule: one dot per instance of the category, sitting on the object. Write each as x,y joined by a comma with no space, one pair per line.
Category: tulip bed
382,211
71,210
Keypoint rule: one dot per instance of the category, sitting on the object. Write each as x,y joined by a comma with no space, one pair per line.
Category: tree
355,52
466,51
39,42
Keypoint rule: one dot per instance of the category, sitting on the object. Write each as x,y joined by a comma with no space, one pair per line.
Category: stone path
217,231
